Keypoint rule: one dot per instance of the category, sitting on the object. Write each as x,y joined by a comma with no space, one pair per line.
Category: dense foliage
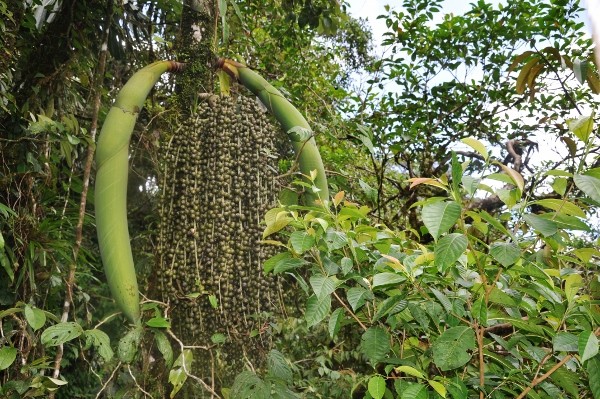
455,258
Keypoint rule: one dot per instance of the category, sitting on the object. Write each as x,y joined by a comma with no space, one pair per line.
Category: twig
112,375
543,377
183,366
480,332
136,383
350,311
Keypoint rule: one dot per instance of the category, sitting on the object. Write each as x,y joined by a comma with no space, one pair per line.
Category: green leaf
438,387
178,375
593,370
573,283
587,345
248,385
35,317
214,302
278,366
479,311
375,344
415,391
301,241
269,264
61,333
439,217
323,285
316,309
335,322
581,127
285,264
477,146
277,225
451,349
376,386
560,185
561,206
129,344
8,354
567,380
564,342
449,249
357,297
456,172
387,278
409,371
164,347
544,226
335,239
505,253
390,306
565,222
100,340
158,322
218,338
589,185
457,388
495,223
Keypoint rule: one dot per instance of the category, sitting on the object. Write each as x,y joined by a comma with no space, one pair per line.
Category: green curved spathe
112,154
291,120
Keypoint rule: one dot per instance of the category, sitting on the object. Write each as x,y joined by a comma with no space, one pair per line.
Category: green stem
112,164
292,121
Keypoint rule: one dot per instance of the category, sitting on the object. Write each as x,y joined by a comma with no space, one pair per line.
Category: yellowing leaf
439,388
477,146
409,371
338,198
415,181
514,176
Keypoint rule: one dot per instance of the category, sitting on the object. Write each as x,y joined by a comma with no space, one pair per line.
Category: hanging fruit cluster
218,182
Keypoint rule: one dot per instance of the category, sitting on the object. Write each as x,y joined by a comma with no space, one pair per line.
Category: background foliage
456,259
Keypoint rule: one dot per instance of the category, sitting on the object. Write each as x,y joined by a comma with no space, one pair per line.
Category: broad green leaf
278,366
561,206
477,146
567,380
500,297
316,309
494,222
587,345
248,385
214,302
357,297
439,217
35,317
323,285
438,387
387,278
581,127
178,375
449,249
479,311
443,299
544,226
335,239
129,344
453,348
61,333
505,253
560,185
457,388
593,370
269,264
589,185
564,342
335,322
100,340
470,184
285,264
415,391
573,283
390,306
158,322
375,344
586,254
278,224
164,347
8,354
376,386
565,222
409,371
301,241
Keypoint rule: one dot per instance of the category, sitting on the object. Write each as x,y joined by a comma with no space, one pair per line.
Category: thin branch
543,377
112,375
350,311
